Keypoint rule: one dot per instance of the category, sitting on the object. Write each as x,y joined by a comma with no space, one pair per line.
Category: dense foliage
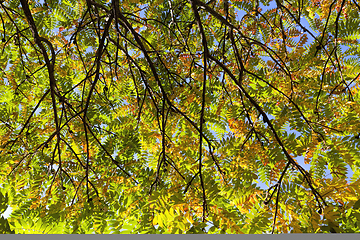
149,116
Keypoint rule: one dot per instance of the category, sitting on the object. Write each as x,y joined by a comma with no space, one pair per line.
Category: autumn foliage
180,116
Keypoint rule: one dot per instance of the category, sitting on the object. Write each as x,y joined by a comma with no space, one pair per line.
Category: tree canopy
150,116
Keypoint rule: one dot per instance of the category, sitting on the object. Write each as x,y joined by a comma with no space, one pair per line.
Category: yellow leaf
296,227
330,214
160,222
155,220
189,218
315,220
